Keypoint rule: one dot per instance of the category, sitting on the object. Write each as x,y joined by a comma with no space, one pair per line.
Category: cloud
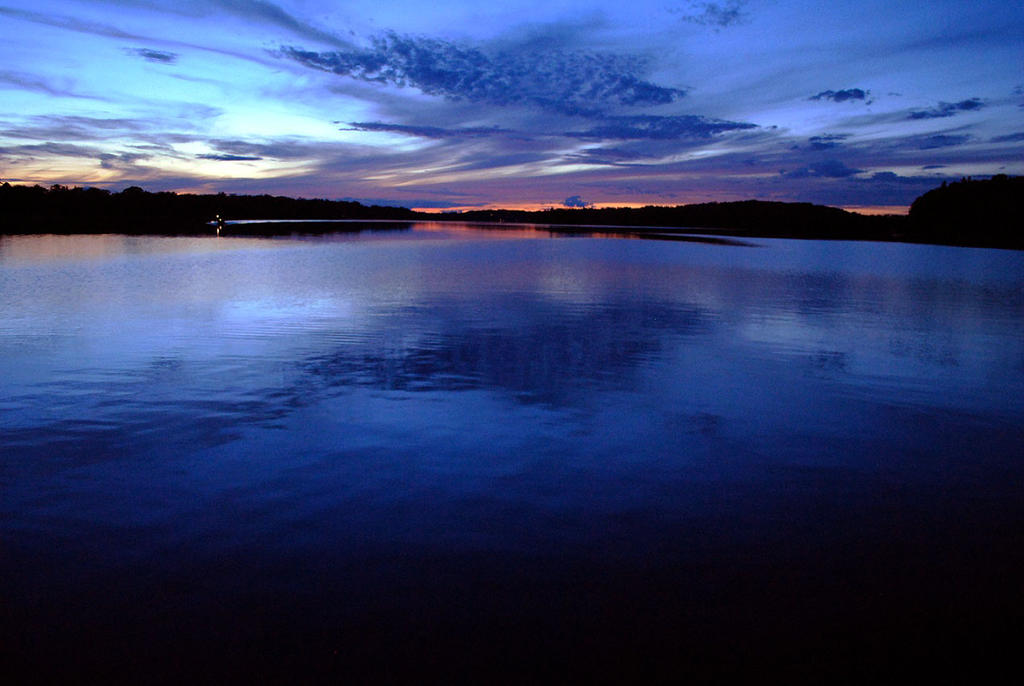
576,201
1010,138
614,157
947,109
828,169
189,9
228,158
54,149
827,141
717,14
153,55
567,81
32,82
267,12
66,23
939,140
408,202
890,177
687,126
281,149
427,131
82,128
273,14
121,161
842,95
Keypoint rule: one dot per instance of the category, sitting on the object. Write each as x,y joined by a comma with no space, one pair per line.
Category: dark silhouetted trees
971,212
60,209
968,212
746,218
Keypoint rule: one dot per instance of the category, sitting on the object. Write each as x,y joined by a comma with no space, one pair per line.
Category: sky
456,105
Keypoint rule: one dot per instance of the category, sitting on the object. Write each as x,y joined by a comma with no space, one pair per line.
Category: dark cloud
939,140
892,178
842,95
153,55
278,149
827,141
880,188
934,166
1011,138
829,169
228,158
576,201
572,82
687,126
718,14
947,109
427,131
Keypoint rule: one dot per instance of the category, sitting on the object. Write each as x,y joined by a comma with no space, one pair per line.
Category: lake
442,451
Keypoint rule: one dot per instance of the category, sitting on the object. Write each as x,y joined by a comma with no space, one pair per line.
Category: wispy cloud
1010,138
70,23
228,158
427,131
82,128
827,141
30,82
49,149
121,161
566,81
281,149
608,156
939,140
687,126
948,109
273,14
829,169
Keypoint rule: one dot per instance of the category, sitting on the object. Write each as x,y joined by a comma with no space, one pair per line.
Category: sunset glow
858,104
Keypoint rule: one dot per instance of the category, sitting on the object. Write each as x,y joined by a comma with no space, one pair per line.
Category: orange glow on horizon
539,207
877,209
531,207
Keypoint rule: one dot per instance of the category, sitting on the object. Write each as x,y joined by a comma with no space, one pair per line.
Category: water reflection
260,417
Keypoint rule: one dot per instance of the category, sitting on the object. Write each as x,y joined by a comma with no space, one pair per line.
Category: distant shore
980,213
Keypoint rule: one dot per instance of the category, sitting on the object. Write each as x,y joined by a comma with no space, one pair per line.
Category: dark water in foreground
447,453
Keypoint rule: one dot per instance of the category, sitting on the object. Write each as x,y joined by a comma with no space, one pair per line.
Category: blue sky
469,104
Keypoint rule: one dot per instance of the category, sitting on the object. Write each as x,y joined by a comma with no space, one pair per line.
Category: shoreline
668,232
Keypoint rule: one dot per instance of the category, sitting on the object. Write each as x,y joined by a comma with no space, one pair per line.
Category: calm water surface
437,449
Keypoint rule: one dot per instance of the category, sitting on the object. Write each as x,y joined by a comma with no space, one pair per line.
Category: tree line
63,209
967,212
